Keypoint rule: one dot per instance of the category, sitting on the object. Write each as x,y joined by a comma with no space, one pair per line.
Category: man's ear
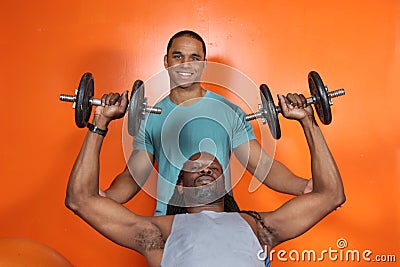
179,184
165,61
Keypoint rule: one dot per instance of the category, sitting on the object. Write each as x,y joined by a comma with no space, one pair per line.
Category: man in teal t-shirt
212,124
194,119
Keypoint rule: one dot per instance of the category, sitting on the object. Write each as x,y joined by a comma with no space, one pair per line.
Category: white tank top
208,239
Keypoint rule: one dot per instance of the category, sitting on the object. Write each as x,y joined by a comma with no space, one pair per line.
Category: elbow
73,202
337,199
70,203
78,199
340,200
334,193
333,202
334,197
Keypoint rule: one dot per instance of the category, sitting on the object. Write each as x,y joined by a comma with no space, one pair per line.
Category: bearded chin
202,195
205,195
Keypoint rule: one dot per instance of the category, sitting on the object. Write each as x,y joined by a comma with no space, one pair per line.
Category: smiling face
202,180
185,62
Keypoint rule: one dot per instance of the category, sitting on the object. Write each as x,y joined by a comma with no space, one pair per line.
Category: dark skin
204,172
147,235
185,62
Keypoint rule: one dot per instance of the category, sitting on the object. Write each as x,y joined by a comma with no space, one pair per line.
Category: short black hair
187,33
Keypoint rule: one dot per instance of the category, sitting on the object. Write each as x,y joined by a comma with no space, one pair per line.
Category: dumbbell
83,101
320,97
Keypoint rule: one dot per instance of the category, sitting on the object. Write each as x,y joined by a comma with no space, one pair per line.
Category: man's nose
186,63
206,170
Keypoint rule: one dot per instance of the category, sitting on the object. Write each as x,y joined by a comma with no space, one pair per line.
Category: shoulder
213,95
166,106
164,102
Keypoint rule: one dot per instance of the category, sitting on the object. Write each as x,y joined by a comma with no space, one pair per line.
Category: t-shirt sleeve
142,140
243,131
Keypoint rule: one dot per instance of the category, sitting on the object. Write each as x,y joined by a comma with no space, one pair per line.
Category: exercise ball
23,252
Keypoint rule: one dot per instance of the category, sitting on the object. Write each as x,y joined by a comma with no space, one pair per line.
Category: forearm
281,179
325,173
84,177
270,172
122,188
128,183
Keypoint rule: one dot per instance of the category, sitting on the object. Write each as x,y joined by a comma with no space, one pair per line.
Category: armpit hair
265,234
149,238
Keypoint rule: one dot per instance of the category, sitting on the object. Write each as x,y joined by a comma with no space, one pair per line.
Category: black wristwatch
94,129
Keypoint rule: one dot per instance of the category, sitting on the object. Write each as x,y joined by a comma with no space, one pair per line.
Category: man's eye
195,168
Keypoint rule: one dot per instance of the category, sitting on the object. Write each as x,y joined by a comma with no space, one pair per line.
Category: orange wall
47,45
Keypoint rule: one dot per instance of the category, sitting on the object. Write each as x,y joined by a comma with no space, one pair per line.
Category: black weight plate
319,93
136,108
85,92
269,111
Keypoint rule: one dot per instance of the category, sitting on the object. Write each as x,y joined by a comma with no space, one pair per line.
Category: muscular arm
82,196
301,213
110,218
270,172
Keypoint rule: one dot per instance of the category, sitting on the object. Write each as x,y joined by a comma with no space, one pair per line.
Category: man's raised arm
110,218
301,213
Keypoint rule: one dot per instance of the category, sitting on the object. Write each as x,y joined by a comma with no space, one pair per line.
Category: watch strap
94,129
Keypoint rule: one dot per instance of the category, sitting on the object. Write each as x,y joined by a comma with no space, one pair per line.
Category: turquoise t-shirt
212,124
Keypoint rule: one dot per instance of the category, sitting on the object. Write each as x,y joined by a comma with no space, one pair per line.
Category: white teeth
184,73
